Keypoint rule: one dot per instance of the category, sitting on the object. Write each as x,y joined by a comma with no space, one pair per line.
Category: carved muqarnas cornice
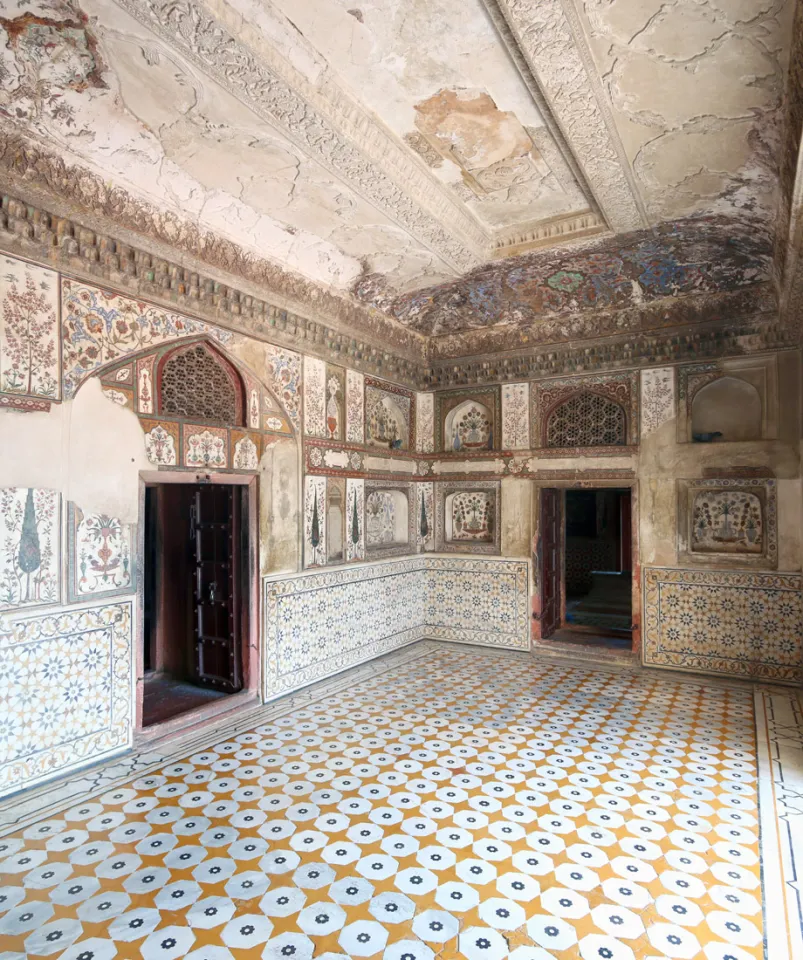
97,232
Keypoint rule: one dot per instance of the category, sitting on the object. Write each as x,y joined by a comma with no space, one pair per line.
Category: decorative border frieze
357,337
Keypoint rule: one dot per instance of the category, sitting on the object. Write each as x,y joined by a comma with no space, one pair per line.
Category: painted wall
78,421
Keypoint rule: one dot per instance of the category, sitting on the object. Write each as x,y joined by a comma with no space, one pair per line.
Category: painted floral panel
727,521
355,407
246,453
205,447
425,514
657,398
30,547
100,327
285,380
161,442
515,416
29,330
425,422
314,397
101,554
387,418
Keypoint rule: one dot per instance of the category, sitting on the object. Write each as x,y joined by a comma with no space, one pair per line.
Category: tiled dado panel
321,622
65,691
744,624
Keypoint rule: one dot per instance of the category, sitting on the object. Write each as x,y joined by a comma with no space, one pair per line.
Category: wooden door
216,587
550,535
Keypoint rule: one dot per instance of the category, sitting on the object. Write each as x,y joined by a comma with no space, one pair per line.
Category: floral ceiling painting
698,255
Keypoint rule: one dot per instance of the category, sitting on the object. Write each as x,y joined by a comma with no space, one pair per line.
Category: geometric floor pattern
455,806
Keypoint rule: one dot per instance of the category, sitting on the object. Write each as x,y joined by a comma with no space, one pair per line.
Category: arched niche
386,518
387,423
728,406
469,516
335,515
586,419
468,426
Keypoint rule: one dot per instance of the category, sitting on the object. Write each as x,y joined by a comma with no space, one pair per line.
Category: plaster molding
37,225
326,131
536,234
229,293
551,40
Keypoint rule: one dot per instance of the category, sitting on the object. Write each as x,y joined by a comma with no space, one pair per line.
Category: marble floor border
779,735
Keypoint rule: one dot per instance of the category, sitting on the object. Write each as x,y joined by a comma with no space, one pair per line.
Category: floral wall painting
657,398
100,327
469,427
335,389
29,330
389,415
355,526
314,521
145,401
468,421
205,447
30,547
100,556
161,442
390,518
467,517
285,381
246,454
386,518
515,416
355,407
729,520
314,397
425,422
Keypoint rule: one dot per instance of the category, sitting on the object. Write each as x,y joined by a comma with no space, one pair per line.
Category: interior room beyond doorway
194,603
588,569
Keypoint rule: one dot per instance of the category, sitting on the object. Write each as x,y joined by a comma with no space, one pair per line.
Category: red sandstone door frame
249,631
538,559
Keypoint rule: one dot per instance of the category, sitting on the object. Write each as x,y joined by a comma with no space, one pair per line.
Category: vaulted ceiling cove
467,176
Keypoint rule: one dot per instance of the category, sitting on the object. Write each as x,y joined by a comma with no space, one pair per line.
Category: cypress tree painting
29,556
424,524
315,530
355,523
30,549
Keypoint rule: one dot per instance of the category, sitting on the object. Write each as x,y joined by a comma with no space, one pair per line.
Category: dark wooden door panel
550,561
216,596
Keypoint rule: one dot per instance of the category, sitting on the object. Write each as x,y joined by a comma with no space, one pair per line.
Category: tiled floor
460,804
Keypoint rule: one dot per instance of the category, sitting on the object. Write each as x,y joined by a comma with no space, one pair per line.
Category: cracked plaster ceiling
392,151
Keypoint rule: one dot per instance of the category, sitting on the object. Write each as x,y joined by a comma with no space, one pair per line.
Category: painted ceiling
453,164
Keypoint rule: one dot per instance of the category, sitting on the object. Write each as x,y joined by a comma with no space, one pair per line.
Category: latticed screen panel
587,420
196,384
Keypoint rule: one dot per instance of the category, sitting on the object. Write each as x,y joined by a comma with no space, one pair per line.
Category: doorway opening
587,567
196,597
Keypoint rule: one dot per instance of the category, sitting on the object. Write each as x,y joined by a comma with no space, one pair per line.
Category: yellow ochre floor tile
461,805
